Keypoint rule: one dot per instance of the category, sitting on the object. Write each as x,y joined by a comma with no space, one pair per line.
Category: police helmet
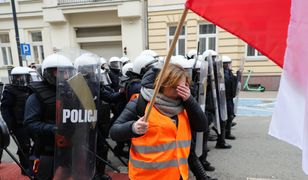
124,60
143,63
226,59
126,68
35,76
206,53
87,64
20,76
115,63
51,64
191,54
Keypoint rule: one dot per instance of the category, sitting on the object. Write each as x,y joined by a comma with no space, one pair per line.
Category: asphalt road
255,155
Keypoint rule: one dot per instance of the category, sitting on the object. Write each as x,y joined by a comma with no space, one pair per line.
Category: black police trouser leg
24,149
205,147
222,135
45,169
228,126
102,151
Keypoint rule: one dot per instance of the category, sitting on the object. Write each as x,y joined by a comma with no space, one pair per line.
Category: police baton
103,160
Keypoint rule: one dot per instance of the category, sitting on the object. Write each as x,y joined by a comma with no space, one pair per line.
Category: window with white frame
180,46
207,37
252,52
5,49
37,49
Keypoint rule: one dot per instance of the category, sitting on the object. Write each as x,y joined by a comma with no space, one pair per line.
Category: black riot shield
77,99
239,75
201,100
221,89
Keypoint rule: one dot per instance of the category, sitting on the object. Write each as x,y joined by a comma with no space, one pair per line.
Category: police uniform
231,83
12,110
40,116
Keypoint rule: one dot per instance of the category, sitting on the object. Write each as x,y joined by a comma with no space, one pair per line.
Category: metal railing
63,2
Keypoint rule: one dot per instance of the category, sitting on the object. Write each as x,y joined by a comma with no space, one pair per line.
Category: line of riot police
62,120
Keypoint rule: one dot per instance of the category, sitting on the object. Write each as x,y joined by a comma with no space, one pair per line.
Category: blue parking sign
25,49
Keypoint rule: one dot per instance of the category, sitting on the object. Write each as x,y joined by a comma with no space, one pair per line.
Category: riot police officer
230,82
12,110
115,65
210,101
40,112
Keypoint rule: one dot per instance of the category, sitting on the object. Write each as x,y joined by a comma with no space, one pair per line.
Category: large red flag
263,24
278,29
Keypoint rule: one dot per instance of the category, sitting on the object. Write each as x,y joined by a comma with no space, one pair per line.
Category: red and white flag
279,30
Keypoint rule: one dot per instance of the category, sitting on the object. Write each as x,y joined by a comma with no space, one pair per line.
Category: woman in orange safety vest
160,147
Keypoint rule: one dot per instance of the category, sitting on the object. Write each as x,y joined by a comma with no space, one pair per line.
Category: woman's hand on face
183,92
140,127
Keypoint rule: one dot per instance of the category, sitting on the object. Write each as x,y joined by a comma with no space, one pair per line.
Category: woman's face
171,92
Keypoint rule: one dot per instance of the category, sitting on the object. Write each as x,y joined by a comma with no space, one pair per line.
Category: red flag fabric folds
263,24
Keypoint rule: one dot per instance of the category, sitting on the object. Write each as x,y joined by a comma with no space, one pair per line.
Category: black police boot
221,143
228,130
233,124
206,165
230,136
196,167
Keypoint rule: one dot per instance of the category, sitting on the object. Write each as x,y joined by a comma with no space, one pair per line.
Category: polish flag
279,30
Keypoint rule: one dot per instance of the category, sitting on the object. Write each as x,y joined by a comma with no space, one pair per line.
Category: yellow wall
227,44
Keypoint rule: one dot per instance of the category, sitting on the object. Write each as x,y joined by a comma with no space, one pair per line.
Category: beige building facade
164,17
104,27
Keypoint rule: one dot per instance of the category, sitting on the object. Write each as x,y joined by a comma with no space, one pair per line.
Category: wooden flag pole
167,61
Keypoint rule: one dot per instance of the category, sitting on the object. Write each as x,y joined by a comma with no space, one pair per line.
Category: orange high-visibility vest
134,96
162,152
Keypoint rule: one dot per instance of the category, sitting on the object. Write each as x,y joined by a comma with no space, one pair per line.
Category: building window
207,37
180,46
5,52
252,52
37,49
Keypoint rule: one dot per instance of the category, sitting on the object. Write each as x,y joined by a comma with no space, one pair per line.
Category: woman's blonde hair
174,73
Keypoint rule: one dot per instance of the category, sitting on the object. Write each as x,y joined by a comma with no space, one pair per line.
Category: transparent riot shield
221,88
239,75
201,100
77,99
104,78
215,99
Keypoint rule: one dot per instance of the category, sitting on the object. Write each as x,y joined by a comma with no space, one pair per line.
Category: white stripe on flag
290,118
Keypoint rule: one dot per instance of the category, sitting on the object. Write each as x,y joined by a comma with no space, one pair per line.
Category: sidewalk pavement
261,95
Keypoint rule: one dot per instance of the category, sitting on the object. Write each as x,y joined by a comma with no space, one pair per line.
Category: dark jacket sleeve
33,120
110,96
197,118
7,103
121,130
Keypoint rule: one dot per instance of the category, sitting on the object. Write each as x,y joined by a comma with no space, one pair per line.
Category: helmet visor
20,79
116,65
